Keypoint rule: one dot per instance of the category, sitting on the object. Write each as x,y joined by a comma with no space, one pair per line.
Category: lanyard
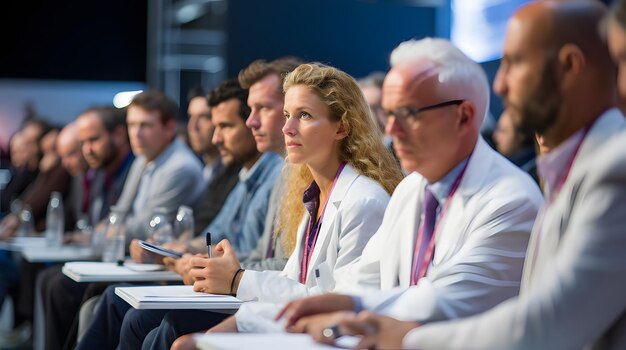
306,256
428,255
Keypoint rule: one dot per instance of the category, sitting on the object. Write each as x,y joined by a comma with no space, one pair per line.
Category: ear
571,61
119,134
342,131
172,127
467,115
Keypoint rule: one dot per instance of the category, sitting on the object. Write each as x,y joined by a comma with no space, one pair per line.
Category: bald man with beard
556,76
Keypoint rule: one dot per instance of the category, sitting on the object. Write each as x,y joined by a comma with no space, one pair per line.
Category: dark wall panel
355,36
81,40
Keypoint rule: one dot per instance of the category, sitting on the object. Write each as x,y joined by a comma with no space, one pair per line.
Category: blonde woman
338,166
340,169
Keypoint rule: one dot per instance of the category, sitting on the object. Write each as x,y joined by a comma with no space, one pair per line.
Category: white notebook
270,341
175,297
59,254
112,272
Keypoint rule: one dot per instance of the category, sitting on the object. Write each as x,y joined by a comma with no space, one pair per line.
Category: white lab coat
479,249
353,214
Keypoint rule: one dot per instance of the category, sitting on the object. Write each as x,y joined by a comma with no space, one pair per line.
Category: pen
208,243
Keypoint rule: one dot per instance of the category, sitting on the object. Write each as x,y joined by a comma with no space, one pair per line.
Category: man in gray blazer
166,174
556,77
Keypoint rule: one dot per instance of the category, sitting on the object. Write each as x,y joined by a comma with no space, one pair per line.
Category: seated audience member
38,192
372,88
575,259
264,81
518,146
166,174
241,218
24,168
53,177
220,179
342,172
71,158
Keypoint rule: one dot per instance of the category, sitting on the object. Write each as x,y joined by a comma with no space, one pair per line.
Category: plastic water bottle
159,227
85,229
114,238
27,227
184,224
55,220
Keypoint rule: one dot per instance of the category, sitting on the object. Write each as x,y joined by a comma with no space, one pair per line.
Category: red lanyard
306,256
428,255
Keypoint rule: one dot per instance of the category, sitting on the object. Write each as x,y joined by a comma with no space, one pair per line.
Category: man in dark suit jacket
221,179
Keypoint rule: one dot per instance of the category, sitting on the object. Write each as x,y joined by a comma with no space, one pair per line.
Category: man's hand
9,226
77,238
185,342
229,325
142,256
214,275
316,324
318,304
378,332
182,266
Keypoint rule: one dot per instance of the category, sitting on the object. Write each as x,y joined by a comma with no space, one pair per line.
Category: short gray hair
455,68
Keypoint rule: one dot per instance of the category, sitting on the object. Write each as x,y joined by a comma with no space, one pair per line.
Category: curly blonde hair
363,148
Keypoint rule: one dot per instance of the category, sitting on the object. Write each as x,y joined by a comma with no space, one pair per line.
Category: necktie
424,234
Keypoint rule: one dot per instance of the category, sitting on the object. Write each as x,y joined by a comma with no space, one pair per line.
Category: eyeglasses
409,114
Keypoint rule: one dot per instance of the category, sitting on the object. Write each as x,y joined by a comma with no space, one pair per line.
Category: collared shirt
146,178
144,187
441,189
551,165
245,174
311,200
212,170
173,178
242,216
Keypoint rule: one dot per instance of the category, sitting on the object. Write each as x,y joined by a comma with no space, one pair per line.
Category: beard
108,158
540,110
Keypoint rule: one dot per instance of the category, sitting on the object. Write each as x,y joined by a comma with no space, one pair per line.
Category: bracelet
232,283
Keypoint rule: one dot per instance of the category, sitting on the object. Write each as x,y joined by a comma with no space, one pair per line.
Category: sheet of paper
112,272
174,297
272,341
19,243
60,254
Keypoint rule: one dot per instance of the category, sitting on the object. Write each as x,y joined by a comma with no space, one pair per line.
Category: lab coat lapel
346,178
408,235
